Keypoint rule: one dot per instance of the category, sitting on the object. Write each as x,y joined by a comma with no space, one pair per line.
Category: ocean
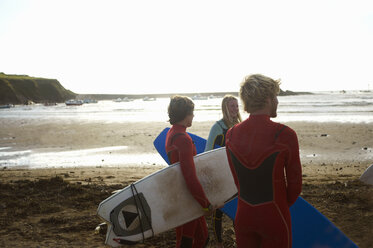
354,107
349,107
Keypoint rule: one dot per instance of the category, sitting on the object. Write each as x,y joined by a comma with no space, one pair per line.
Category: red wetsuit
264,160
180,147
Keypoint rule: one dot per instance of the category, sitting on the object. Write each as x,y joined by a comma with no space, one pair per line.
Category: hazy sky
154,46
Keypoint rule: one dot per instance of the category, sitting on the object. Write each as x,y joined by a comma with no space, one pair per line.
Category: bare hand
210,211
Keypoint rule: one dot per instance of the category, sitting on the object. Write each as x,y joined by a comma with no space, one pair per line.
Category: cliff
21,89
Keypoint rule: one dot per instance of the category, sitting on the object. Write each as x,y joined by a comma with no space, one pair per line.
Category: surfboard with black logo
162,201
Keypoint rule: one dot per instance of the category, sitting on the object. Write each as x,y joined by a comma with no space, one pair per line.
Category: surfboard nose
367,176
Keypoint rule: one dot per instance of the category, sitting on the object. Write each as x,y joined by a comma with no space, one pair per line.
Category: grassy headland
21,89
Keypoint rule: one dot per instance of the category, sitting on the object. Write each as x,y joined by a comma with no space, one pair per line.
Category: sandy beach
56,207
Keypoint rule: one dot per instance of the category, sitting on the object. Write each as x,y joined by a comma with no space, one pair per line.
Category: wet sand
56,207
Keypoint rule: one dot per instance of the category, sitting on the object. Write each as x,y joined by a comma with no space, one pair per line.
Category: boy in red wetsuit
264,160
180,147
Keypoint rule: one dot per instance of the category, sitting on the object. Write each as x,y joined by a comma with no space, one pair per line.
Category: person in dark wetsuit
264,159
231,116
180,148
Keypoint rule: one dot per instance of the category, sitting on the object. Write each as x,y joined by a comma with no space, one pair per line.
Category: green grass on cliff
20,89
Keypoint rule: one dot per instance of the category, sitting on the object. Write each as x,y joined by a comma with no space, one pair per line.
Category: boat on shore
199,97
213,97
125,99
73,102
6,106
147,99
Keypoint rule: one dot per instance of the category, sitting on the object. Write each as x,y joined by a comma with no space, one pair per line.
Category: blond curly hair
256,89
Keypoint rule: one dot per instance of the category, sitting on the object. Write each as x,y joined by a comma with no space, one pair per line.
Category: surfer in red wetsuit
264,160
180,147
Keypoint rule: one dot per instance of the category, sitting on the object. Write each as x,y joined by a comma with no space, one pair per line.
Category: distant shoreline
166,95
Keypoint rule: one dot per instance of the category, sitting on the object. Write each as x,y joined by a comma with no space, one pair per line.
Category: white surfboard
367,176
161,201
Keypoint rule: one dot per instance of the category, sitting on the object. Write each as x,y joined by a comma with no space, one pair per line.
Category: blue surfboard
310,228
160,143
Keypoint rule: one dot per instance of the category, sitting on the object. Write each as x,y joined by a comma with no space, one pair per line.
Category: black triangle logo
129,217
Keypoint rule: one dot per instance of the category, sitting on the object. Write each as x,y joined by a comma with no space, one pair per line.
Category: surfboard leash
136,197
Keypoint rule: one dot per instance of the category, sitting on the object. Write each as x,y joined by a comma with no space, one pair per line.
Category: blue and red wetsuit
264,160
180,147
